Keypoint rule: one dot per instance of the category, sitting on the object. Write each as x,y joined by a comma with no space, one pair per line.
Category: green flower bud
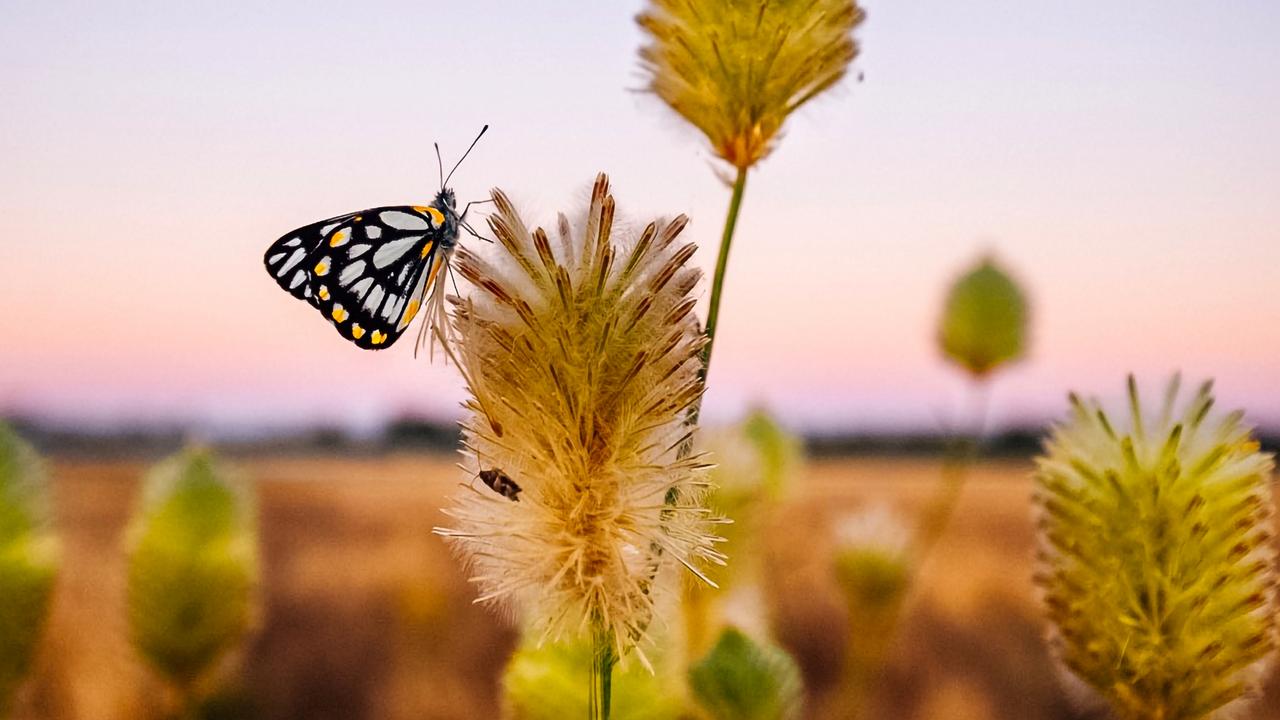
984,320
28,559
192,567
1155,556
741,679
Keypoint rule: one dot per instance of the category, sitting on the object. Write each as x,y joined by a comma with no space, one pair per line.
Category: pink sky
1122,161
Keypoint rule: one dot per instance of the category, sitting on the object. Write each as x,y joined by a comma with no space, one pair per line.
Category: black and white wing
367,272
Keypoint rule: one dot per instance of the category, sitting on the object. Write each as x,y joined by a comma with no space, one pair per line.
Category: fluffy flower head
1155,559
581,357
736,69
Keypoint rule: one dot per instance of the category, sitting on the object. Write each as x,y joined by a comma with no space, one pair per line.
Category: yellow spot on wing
435,268
339,313
324,293
426,249
436,215
357,332
409,312
322,267
378,337
340,238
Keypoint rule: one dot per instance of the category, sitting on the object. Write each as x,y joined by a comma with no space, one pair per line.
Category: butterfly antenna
440,165
464,155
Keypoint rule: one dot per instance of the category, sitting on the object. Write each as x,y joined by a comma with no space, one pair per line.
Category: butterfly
370,273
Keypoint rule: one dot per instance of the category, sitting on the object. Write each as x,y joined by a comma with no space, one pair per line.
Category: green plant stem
717,280
600,695
959,456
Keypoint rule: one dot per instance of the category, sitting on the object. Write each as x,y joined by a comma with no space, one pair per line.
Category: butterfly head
447,203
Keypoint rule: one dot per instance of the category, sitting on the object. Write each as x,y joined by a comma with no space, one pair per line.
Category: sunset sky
1122,159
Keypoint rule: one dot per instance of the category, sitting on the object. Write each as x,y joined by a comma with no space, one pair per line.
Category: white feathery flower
581,355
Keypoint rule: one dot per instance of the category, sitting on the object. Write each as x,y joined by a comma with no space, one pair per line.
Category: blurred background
1119,161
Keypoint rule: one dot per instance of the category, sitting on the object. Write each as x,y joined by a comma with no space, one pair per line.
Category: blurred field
366,615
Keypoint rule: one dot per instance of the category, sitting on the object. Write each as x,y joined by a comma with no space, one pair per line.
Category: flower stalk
602,662
717,280
961,452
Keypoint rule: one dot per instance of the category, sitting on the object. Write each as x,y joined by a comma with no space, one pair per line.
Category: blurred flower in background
1155,557
982,328
984,320
874,569
192,573
29,556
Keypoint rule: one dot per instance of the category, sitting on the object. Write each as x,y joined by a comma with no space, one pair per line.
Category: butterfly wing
366,272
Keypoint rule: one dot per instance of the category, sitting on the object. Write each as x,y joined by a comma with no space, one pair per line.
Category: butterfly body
369,273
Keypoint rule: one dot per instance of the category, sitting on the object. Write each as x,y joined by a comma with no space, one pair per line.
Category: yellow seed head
736,69
1155,557
581,357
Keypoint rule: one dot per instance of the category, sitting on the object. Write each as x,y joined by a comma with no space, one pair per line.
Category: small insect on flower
501,483
371,272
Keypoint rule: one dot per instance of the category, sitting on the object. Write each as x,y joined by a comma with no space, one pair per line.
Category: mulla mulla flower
1155,555
736,70
580,352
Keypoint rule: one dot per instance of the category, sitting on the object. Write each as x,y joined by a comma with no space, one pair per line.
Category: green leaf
744,680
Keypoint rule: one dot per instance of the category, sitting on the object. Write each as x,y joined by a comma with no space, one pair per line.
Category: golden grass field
366,615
